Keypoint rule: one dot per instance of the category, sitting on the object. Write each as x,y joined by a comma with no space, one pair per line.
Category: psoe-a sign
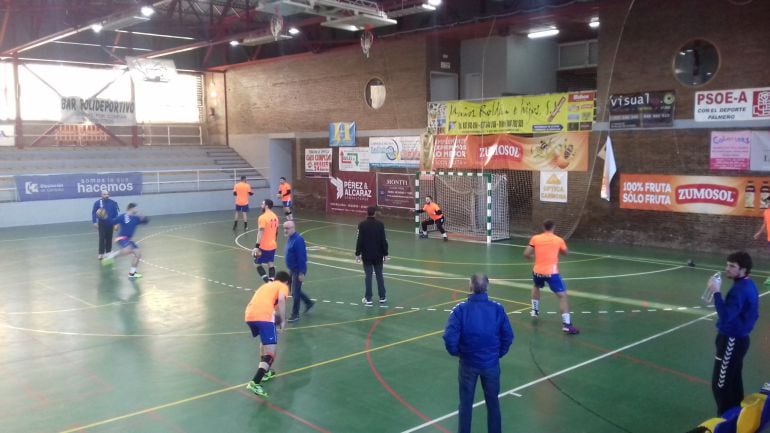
732,105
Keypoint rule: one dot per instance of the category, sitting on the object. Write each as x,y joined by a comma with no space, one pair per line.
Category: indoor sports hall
640,128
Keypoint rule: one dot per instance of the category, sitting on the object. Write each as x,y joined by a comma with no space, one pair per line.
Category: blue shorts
124,242
266,257
239,208
265,330
554,282
286,203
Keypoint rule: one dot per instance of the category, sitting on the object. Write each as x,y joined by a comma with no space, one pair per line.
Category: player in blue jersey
128,222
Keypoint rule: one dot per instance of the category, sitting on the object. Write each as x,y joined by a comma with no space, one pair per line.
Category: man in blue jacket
103,212
478,331
737,314
296,262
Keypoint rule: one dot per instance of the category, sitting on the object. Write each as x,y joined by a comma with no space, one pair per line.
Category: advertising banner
394,152
565,151
97,110
733,104
318,162
354,159
395,190
735,196
350,193
760,150
730,150
555,112
342,134
553,186
77,185
642,110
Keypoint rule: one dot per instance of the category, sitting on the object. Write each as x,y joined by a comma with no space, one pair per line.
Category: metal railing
166,181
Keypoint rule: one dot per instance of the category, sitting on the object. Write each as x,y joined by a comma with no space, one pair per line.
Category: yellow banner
555,112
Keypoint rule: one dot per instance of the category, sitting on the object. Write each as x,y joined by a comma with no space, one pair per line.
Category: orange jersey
547,247
242,192
283,190
767,223
261,308
268,223
431,210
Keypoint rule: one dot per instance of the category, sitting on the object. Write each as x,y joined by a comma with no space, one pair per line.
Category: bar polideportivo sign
735,196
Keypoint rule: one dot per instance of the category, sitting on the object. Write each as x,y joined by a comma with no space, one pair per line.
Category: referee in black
372,250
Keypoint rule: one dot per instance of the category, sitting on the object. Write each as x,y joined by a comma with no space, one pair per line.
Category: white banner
155,70
354,159
733,104
553,186
7,135
318,162
609,169
76,110
391,152
760,151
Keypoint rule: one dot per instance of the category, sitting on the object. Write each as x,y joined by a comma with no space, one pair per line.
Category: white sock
132,270
536,304
565,319
444,235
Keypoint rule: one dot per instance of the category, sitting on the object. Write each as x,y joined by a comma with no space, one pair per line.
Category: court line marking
571,368
49,288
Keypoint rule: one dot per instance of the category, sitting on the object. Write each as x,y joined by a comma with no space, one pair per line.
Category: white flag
609,169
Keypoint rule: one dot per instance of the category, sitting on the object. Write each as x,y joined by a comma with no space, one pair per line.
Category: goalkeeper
435,216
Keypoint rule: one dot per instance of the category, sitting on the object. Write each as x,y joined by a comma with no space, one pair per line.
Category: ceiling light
97,27
428,7
234,43
434,2
147,11
594,24
293,31
543,33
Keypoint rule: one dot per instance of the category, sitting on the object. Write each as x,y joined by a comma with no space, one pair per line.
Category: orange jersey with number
242,191
547,247
261,308
767,223
268,223
283,190
431,210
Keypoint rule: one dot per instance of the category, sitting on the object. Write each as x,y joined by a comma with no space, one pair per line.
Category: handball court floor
83,349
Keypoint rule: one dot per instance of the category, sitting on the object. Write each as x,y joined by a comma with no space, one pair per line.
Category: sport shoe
135,275
383,300
366,303
423,236
309,306
534,313
269,375
446,239
292,319
767,282
256,389
99,256
569,329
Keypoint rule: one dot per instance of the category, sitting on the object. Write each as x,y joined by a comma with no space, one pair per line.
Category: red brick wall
651,37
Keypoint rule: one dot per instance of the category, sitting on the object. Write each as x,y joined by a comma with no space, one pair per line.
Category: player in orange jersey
546,248
284,194
435,216
265,314
242,191
264,250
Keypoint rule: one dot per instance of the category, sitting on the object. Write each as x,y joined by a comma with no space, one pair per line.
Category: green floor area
85,349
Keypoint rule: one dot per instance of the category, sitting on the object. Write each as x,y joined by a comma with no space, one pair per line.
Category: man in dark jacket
737,314
478,331
372,250
296,263
103,211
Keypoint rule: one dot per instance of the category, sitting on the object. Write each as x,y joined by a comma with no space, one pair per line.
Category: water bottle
707,297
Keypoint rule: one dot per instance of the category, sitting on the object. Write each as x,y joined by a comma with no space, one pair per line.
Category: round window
375,93
696,63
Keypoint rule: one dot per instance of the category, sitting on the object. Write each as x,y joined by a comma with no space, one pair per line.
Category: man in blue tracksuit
737,314
478,331
296,262
103,212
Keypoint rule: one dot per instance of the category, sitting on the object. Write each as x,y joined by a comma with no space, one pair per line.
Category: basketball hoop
276,25
367,38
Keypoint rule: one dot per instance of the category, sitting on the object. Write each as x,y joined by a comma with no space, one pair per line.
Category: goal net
475,205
